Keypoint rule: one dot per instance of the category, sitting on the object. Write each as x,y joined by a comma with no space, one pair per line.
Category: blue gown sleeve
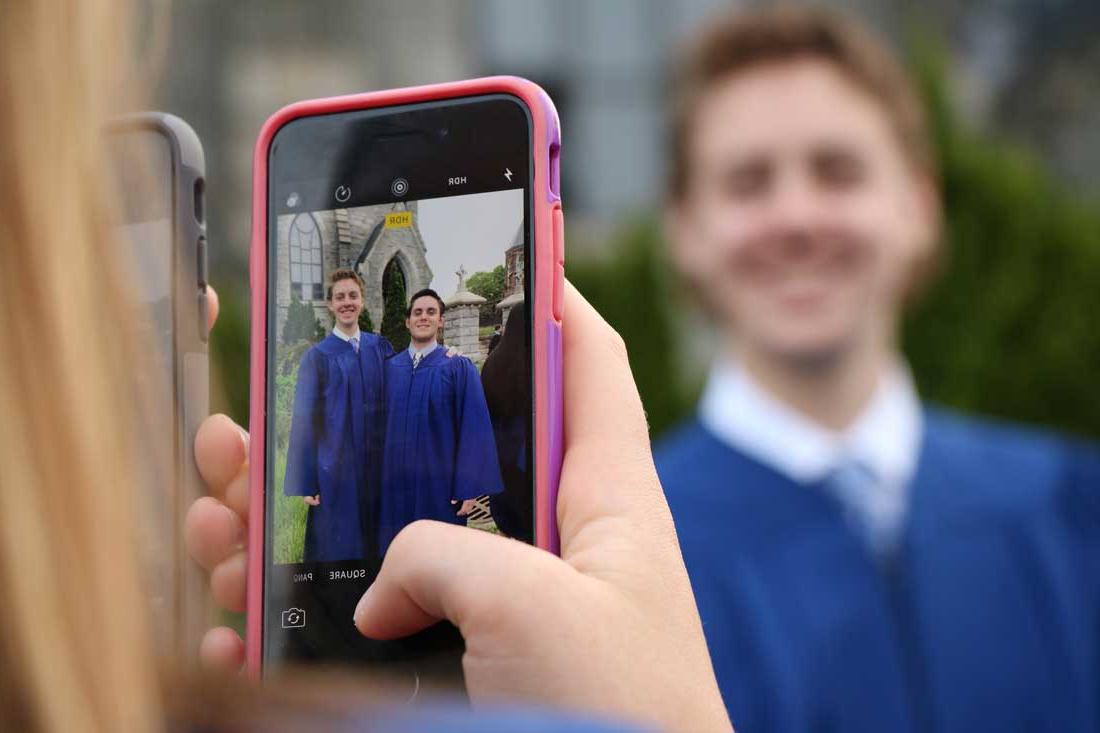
305,430
385,347
477,472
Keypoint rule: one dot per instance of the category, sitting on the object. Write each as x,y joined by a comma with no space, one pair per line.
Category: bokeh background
1009,329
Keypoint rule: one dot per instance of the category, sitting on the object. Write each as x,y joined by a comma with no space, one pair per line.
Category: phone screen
142,161
398,358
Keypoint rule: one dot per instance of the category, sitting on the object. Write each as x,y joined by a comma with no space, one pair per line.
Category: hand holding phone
610,626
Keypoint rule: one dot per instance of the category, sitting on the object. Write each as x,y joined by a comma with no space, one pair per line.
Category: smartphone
407,285
159,170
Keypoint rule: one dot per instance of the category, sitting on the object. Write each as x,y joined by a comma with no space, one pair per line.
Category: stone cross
461,272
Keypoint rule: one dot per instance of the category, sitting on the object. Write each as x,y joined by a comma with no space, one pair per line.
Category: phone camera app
399,187
294,618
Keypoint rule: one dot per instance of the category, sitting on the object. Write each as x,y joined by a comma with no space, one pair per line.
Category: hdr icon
457,181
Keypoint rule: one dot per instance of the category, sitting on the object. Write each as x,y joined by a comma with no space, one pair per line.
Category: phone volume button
559,234
201,277
200,263
558,301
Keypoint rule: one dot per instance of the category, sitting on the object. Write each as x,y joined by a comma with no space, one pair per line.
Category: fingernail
244,440
361,607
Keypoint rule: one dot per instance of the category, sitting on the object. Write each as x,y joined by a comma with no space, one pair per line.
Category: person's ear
929,207
680,237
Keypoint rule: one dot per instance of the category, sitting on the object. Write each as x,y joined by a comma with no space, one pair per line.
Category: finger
477,575
212,306
608,468
212,532
228,581
236,495
603,407
222,650
221,451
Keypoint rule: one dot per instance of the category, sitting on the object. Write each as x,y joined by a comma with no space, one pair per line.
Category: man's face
425,319
346,303
802,223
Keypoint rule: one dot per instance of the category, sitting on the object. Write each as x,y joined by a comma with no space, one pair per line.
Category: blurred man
333,455
440,452
861,562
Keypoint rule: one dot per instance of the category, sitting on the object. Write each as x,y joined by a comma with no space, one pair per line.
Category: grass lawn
290,519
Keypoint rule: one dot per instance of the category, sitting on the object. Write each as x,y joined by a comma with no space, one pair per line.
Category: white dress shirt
884,439
344,337
418,356
423,352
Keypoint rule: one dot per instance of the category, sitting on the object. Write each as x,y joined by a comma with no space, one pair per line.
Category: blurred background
1009,329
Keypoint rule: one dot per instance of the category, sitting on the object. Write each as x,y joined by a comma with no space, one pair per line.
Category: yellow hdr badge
399,220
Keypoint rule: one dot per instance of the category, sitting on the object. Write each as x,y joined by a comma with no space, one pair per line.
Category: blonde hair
75,644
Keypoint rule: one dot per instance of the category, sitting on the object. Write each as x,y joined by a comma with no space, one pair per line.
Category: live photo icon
294,618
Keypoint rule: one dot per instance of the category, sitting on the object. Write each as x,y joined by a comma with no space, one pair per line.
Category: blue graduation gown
439,442
987,617
443,716
335,445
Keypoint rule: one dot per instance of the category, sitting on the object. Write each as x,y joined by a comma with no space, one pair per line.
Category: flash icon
508,174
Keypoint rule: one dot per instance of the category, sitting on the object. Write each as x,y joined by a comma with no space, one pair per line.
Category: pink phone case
549,258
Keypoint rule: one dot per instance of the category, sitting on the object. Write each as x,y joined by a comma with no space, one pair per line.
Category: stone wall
460,331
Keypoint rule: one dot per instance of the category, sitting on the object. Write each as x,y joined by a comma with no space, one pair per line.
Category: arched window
305,258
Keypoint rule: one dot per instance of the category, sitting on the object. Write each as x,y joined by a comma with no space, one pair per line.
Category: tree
365,324
394,299
489,285
301,324
631,290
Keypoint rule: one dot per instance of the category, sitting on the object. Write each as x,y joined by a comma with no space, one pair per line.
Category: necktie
867,505
417,356
354,344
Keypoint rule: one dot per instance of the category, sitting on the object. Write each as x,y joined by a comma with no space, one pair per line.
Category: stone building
513,275
367,239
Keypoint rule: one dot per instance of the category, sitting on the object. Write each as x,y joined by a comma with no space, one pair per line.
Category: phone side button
559,291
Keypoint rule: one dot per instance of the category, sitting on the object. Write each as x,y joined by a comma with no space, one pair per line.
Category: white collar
423,352
885,436
340,334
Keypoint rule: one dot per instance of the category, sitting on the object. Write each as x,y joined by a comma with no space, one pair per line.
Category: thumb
420,585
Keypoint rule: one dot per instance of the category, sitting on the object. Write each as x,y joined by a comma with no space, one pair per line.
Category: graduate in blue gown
861,561
981,613
333,457
440,452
